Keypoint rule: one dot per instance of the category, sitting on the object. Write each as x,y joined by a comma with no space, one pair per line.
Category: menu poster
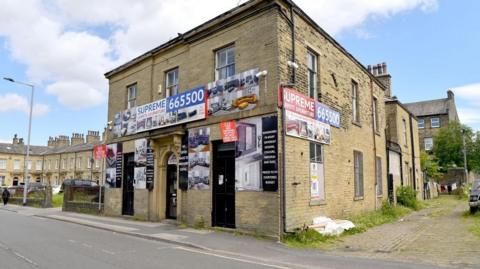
270,153
150,171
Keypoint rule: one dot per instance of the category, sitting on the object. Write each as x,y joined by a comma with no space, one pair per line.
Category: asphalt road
33,242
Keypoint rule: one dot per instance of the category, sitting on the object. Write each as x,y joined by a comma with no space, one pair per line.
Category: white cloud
471,93
15,102
337,16
470,96
68,45
469,115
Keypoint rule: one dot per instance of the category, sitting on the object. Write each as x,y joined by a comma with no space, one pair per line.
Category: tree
430,166
448,147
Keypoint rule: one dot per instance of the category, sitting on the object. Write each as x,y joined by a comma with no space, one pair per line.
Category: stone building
403,142
432,115
199,131
63,158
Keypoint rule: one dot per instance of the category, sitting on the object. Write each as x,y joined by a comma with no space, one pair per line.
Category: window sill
379,195
358,124
358,198
317,202
378,133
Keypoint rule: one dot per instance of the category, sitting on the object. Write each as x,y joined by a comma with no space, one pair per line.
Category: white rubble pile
327,226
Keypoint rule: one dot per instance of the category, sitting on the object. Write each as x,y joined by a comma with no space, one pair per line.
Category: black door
171,192
128,190
390,188
223,214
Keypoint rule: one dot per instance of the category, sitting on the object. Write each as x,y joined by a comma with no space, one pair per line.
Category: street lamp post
464,157
27,157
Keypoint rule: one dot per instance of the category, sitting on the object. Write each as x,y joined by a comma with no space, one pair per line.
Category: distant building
61,159
432,115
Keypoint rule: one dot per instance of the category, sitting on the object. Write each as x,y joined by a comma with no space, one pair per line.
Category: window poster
183,164
233,94
256,154
199,158
140,158
113,172
316,182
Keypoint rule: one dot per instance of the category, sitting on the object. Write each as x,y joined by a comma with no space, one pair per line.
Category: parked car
474,201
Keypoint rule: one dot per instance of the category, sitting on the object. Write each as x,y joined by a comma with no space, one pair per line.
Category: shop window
317,177
131,96
249,144
421,123
225,62
248,160
355,103
358,173
171,82
378,174
435,122
312,63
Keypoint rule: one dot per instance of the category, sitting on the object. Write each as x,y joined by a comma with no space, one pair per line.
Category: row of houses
257,120
62,158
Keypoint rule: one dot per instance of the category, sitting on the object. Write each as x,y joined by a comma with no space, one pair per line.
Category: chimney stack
93,136
77,139
62,141
51,142
15,139
20,141
450,95
381,73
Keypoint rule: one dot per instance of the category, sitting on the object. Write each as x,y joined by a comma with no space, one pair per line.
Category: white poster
307,128
140,158
199,158
317,187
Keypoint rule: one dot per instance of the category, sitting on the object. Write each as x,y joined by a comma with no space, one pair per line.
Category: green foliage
430,165
407,197
57,200
307,238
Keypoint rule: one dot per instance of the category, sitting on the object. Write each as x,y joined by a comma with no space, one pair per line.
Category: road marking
232,258
18,255
108,252
87,245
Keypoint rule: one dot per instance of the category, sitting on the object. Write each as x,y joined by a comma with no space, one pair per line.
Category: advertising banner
183,165
229,131
306,128
113,173
298,103
327,115
99,152
233,94
199,158
177,109
256,154
140,170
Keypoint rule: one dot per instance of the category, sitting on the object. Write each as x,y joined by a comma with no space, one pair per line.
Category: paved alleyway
437,235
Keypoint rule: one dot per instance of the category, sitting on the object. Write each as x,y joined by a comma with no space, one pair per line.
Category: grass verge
309,238
474,220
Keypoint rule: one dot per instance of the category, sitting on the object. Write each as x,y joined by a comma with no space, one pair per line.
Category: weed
57,200
199,223
406,196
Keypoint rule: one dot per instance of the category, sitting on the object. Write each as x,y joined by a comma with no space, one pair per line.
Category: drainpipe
292,19
413,154
374,143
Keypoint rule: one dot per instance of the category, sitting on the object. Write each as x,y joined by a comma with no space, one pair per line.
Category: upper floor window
56,164
355,103
428,143
421,123
312,61
89,163
16,164
64,164
3,164
38,165
131,95
79,162
171,82
405,135
435,122
225,62
72,163
29,165
97,163
375,114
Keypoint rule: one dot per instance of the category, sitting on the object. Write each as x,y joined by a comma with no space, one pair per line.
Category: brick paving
438,235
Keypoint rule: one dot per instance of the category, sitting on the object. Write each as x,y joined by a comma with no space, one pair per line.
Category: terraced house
257,120
63,158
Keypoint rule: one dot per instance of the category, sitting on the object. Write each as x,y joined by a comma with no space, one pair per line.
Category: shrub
406,196
199,223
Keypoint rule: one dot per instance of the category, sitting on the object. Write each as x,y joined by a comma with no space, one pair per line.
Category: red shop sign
229,131
298,103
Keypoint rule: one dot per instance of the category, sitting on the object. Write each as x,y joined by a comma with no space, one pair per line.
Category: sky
64,47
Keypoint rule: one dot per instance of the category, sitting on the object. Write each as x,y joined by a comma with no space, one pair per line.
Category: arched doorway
171,195
15,181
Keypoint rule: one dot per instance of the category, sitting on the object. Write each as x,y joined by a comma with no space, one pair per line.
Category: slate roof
428,108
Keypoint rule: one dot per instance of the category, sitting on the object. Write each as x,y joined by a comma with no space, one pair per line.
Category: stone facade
261,34
61,159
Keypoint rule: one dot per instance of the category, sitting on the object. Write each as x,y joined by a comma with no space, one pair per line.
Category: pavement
244,249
